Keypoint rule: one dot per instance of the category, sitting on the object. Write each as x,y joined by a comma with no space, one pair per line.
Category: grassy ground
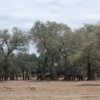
24,90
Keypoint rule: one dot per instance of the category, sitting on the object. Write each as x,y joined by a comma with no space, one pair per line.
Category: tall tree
9,42
47,39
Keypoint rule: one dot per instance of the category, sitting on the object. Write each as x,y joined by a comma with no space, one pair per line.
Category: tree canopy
62,51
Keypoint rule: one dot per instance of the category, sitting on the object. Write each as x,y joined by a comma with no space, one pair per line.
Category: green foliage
60,49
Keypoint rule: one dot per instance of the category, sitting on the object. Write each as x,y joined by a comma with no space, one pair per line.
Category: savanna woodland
62,53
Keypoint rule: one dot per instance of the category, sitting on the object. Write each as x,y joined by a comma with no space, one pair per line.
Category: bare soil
47,90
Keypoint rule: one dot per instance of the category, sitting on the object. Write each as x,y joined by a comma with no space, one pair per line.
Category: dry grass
22,90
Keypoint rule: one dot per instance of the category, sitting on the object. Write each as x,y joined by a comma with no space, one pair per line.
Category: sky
23,13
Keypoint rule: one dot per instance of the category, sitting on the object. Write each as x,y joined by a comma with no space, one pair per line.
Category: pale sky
23,13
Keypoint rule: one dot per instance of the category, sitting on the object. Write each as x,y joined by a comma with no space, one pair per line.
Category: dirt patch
23,90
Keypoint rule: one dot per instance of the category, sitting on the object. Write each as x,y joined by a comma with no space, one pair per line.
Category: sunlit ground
28,90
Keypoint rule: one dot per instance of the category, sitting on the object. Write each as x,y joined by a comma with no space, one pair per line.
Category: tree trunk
23,76
5,68
65,65
16,74
89,71
23,73
5,73
44,66
27,75
12,76
52,70
93,73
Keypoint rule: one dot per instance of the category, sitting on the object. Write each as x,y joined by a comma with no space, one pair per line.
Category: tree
46,36
9,42
90,48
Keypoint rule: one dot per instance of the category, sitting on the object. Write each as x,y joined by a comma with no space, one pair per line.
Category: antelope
32,88
7,88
